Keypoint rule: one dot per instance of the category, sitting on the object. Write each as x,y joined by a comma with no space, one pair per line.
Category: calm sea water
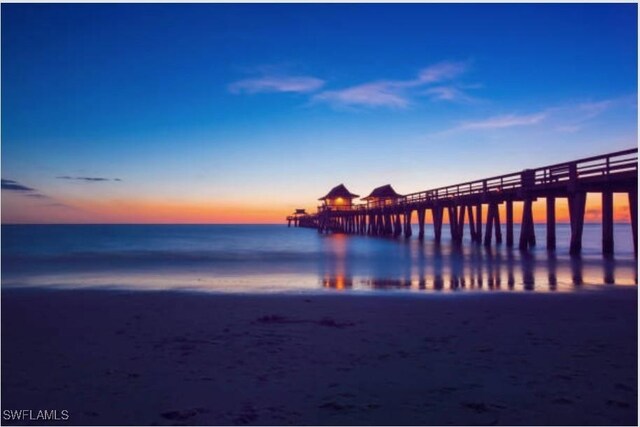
274,258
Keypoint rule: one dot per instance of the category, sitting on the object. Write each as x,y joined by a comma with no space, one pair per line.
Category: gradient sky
239,113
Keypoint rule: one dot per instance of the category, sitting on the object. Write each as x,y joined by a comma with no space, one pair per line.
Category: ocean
274,258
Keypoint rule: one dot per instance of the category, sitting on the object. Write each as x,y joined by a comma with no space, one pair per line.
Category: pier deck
606,174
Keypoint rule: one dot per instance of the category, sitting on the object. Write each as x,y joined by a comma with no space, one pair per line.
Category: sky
239,113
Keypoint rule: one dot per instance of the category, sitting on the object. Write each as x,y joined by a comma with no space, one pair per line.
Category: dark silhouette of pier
388,214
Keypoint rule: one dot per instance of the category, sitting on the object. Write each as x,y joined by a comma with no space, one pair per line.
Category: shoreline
184,357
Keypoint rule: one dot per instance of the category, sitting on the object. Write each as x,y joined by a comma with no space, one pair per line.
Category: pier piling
551,223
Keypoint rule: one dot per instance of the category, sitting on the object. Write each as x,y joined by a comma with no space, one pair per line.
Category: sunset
319,214
239,114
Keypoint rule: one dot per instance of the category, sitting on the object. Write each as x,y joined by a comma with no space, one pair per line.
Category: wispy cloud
292,84
569,117
23,190
87,178
448,93
593,109
574,117
379,94
505,121
11,185
442,71
399,93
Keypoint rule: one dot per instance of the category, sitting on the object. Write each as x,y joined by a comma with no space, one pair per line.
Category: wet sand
115,357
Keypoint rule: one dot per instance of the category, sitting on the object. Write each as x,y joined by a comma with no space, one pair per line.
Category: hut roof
339,191
386,191
300,211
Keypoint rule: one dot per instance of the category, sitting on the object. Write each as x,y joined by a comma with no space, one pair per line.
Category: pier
387,213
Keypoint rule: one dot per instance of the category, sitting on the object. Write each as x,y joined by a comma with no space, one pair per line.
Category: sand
115,357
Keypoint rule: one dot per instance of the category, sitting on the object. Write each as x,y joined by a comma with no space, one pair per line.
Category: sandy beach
115,357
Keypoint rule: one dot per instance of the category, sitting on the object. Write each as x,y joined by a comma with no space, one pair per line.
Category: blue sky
265,107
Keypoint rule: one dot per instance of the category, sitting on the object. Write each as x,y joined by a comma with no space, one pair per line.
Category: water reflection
421,267
274,259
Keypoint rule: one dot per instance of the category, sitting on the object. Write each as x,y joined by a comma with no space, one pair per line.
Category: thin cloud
398,93
32,193
23,190
506,121
11,185
442,71
381,94
570,117
291,84
448,93
590,110
87,178
575,117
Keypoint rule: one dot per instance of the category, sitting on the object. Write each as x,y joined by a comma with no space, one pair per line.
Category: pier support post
527,231
496,217
551,223
397,228
489,227
577,203
607,222
453,222
421,215
407,224
388,225
460,224
472,225
479,223
437,222
633,212
509,215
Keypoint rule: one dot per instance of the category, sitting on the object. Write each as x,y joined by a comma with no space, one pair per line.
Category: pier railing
611,164
604,165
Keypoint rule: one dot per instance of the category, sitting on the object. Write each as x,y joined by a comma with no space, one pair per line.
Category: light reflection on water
277,259
449,267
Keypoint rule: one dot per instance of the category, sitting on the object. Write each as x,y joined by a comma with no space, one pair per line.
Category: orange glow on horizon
127,211
234,212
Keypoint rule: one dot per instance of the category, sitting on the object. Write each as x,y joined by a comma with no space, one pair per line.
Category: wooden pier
464,203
